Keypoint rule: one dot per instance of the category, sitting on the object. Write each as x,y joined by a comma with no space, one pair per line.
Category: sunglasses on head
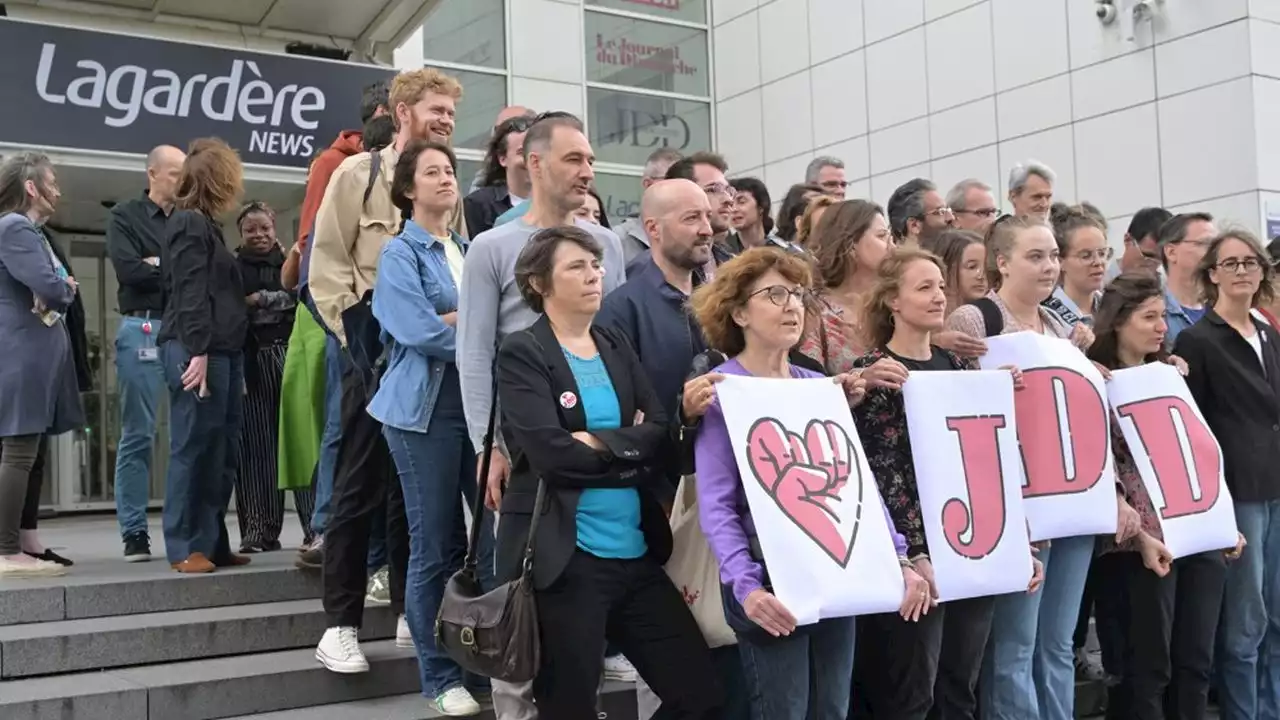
254,206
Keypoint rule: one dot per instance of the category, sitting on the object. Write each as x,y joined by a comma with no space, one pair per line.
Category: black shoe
271,546
252,548
53,557
137,547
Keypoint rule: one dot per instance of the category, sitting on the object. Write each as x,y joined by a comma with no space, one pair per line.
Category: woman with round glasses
1233,362
753,311
1082,245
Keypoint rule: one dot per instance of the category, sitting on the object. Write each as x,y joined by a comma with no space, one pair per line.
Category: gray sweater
490,308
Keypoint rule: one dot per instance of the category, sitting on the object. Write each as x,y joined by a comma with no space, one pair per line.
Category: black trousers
259,501
31,505
897,665
632,604
966,626
363,479
1173,623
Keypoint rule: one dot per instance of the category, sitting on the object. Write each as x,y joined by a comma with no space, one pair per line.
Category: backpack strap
992,318
375,164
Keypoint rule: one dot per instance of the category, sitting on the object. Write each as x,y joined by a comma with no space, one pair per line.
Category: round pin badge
568,400
146,327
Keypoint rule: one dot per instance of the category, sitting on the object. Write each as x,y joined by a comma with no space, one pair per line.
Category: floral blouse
881,419
831,339
1135,493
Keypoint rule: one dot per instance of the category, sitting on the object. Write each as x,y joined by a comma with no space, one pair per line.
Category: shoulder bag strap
375,163
477,507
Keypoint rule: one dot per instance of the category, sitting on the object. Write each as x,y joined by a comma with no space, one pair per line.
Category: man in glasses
973,205
917,214
1141,244
827,173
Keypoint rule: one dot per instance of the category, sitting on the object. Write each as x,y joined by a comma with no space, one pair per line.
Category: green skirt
302,396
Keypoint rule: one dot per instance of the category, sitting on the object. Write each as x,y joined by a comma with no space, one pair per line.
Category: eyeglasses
985,213
779,295
943,211
835,184
1249,265
720,189
1089,256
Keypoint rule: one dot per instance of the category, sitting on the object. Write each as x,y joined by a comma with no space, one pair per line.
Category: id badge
148,354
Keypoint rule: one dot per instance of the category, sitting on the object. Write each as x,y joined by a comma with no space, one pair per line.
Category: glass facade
646,72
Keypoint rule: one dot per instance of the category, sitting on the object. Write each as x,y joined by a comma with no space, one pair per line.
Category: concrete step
619,704
118,588
209,689
128,640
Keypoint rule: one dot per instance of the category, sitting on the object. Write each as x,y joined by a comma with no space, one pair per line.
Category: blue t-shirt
1194,314
608,518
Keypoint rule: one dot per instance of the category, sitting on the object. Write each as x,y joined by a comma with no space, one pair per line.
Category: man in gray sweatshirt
559,157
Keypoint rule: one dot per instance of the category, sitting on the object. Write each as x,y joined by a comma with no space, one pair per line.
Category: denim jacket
413,290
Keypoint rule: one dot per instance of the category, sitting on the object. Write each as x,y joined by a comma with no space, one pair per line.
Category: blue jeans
807,676
1028,671
203,433
138,383
333,359
1249,633
437,471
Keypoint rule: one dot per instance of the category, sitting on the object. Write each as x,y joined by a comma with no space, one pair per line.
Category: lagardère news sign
102,91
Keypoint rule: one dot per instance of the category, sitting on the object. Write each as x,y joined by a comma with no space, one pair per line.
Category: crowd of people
360,367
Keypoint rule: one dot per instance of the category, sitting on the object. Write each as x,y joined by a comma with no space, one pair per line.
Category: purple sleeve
899,540
719,488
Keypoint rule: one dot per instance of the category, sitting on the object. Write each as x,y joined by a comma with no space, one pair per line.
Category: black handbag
493,634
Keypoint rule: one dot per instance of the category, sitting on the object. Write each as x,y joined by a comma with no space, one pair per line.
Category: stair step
107,588
619,704
209,689
127,640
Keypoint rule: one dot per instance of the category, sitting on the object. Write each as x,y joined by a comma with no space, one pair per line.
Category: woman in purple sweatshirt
753,311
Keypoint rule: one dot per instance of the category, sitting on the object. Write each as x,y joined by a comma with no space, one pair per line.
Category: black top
136,231
940,360
533,376
483,207
1240,400
271,319
203,292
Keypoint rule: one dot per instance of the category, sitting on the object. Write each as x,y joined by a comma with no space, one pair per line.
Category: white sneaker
22,566
339,651
404,637
457,702
619,668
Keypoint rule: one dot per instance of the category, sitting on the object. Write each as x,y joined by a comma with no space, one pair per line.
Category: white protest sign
1068,487
965,451
815,503
1177,456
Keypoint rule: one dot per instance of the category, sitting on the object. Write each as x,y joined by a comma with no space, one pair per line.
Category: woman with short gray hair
37,378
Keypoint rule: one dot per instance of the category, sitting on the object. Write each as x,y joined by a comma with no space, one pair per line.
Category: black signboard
103,91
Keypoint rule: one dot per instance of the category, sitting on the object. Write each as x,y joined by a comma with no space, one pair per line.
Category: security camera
1142,10
1106,11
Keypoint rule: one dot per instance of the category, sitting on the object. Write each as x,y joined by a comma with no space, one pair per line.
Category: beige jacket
348,238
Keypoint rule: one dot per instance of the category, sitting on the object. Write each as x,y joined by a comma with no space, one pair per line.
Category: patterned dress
832,339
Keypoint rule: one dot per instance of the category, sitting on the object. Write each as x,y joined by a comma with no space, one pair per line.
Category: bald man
650,307
134,234
651,310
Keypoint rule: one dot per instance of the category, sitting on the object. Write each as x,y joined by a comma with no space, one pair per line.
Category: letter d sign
1186,470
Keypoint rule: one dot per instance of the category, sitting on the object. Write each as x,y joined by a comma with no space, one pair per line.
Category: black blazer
1240,402
532,377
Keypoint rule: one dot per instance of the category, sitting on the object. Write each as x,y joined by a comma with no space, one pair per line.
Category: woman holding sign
1168,609
753,311
1029,669
905,668
1234,364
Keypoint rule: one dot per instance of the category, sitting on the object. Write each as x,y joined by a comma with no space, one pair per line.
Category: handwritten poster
1068,487
1177,456
816,507
967,466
